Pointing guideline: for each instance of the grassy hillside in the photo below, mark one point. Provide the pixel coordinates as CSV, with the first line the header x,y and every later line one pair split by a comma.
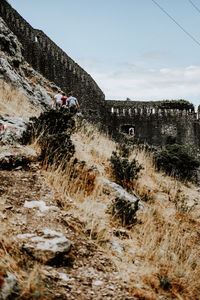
x,y
157,257
159,254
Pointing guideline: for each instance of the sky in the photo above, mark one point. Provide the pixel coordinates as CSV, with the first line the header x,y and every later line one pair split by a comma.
x,y
131,48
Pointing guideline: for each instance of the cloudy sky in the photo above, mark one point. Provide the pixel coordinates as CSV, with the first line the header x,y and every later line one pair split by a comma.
x,y
140,49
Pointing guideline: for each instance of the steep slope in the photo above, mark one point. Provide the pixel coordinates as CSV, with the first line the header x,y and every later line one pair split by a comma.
x,y
16,71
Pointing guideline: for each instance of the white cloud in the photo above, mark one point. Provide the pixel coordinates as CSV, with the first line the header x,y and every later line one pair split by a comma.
x,y
119,81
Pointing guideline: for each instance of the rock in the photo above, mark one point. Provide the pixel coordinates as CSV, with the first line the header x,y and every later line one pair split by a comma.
x,y
11,129
125,205
122,193
46,246
14,69
17,156
41,205
9,286
116,247
97,282
9,162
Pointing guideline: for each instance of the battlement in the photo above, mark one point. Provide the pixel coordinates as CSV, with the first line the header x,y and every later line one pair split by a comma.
x,y
158,108
155,122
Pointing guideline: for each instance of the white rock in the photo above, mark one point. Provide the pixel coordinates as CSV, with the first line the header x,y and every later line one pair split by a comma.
x,y
8,286
122,193
47,245
97,282
115,246
39,204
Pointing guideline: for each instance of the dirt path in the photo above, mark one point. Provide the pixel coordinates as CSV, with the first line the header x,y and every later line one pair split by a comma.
x,y
86,273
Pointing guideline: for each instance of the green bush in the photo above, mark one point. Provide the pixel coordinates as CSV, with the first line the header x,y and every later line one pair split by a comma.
x,y
125,210
176,104
124,170
176,161
48,123
52,131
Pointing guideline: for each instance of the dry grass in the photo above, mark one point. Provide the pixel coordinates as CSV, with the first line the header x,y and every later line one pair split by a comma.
x,y
14,103
30,284
159,254
93,147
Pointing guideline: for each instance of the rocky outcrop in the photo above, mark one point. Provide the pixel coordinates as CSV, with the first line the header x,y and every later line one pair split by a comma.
x,y
14,69
11,129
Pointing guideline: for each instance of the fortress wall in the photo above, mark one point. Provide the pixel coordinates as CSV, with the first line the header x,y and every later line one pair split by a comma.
x,y
51,61
152,123
133,108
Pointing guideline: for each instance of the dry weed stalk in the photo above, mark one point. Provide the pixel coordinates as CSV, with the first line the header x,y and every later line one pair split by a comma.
x,y
93,147
14,103
85,187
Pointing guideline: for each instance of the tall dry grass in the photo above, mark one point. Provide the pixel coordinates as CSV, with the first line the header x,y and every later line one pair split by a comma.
x,y
158,256
30,281
13,260
14,103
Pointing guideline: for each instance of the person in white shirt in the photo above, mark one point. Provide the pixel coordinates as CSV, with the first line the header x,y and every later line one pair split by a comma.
x,y
57,100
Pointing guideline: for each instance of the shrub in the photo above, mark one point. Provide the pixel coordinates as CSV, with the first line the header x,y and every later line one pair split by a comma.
x,y
124,150
176,104
124,170
49,122
52,130
175,160
125,210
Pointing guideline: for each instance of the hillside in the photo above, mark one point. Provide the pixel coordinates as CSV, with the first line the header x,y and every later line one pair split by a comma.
x,y
62,233
156,257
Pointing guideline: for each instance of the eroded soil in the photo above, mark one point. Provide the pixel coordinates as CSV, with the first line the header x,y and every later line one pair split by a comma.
x,y
86,272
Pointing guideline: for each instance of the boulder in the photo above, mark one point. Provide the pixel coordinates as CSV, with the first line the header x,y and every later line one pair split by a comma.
x,y
125,205
120,192
9,286
46,246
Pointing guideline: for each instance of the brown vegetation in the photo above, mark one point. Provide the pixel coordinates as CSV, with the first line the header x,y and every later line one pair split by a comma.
x,y
157,257
160,253
13,102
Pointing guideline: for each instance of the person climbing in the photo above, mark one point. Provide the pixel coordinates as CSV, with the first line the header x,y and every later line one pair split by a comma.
x,y
72,103
57,100
63,101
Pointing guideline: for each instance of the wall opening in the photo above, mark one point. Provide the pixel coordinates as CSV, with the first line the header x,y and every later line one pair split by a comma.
x,y
128,129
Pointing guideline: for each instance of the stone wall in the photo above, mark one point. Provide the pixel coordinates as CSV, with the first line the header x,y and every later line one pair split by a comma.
x,y
52,62
152,123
